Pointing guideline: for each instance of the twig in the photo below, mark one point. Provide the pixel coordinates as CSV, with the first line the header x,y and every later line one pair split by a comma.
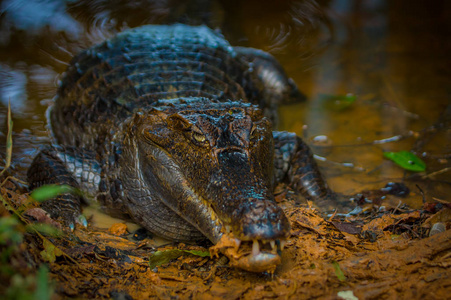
x,y
440,200
13,178
397,207
436,173
421,192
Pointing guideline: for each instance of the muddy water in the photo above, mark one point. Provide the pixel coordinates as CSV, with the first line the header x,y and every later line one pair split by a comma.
x,y
393,56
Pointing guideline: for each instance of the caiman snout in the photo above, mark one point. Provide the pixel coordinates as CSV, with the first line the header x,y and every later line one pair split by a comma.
x,y
255,226
262,228
260,220
245,201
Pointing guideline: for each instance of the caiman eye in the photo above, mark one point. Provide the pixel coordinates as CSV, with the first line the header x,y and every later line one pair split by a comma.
x,y
199,137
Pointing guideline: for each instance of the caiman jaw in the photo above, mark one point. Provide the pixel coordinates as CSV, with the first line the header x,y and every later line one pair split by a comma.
x,y
254,255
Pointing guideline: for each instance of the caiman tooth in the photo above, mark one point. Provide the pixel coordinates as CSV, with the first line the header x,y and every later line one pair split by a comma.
x,y
237,244
273,245
282,244
255,248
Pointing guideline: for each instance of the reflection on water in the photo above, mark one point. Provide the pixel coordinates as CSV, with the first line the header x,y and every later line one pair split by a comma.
x,y
393,55
33,16
12,86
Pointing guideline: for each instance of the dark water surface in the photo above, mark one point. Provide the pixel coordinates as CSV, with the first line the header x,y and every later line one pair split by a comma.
x,y
392,55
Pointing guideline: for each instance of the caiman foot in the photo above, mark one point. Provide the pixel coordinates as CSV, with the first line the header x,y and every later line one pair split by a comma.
x,y
54,212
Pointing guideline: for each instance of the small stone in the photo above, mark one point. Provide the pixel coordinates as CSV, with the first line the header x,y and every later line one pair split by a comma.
x,y
437,228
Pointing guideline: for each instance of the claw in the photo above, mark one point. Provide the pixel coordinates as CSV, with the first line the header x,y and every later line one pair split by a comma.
x,y
81,219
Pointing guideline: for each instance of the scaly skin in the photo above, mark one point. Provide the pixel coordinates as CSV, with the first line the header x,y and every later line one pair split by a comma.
x,y
166,125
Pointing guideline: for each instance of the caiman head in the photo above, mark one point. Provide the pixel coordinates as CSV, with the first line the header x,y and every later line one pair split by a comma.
x,y
212,165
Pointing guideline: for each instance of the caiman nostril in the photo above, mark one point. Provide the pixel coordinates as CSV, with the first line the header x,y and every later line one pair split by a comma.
x,y
261,220
224,153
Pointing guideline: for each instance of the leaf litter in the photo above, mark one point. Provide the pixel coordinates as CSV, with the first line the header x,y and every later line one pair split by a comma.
x,y
322,258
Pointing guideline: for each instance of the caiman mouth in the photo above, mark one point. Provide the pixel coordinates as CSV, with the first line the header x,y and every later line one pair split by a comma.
x,y
254,255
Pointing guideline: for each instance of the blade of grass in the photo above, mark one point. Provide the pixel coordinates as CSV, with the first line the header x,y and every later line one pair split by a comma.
x,y
9,140
339,272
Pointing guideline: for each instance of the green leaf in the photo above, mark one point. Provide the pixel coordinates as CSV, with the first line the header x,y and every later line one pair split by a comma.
x,y
165,256
43,228
337,102
162,257
7,222
339,272
43,288
198,252
406,160
50,191
50,252
9,232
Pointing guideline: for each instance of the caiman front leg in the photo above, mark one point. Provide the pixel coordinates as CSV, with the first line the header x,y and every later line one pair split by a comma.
x,y
294,163
63,166
276,87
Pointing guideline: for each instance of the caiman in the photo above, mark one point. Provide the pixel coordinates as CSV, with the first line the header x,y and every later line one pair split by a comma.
x,y
172,127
